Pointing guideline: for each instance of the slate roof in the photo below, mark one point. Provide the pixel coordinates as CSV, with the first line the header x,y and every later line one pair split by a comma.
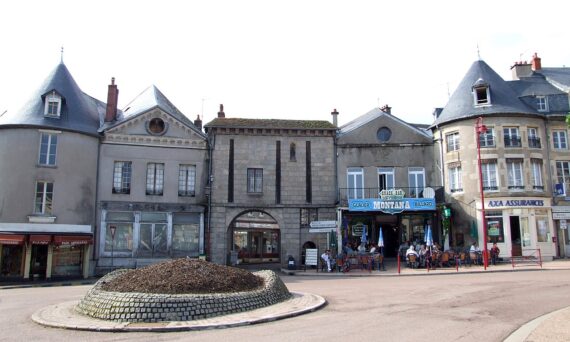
x,y
534,85
560,77
149,99
373,114
504,100
270,123
79,112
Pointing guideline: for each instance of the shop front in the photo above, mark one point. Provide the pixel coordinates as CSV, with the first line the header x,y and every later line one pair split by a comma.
x,y
255,238
561,217
519,226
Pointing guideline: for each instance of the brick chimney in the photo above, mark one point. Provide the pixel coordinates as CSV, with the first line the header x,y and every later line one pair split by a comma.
x,y
536,65
221,113
386,109
521,69
334,114
198,123
112,101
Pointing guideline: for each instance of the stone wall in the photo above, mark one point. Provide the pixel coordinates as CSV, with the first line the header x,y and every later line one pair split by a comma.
x,y
149,307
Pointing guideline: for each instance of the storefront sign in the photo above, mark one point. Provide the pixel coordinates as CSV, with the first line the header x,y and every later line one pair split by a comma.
x,y
391,206
561,216
358,228
516,203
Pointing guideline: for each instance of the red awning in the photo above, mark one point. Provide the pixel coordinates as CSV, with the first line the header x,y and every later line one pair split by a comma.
x,y
11,239
73,240
40,239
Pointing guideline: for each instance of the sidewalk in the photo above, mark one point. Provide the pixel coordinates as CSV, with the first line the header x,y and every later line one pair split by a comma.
x,y
45,283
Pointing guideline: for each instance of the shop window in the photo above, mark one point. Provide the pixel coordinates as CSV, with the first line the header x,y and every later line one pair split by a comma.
x,y
123,223
67,260
542,233
495,231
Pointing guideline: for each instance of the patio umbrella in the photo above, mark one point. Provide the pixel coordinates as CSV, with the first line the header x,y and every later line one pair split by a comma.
x,y
429,237
380,238
474,232
364,237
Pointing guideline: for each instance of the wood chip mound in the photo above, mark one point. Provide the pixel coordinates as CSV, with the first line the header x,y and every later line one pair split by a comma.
x,y
185,276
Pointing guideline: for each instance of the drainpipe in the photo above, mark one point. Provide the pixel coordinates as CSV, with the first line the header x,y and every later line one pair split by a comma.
x,y
94,254
211,144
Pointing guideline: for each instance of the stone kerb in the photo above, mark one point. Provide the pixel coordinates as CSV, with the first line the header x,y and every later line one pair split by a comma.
x,y
151,308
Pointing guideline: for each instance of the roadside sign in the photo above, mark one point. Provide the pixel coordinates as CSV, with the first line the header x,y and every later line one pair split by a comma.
x,y
563,224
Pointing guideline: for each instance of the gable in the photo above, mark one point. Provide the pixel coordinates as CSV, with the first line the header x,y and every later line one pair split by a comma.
x,y
155,128
375,132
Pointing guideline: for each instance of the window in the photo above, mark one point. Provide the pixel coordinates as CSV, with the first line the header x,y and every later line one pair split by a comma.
x,y
255,180
452,141
187,180
185,234
44,198
416,181
563,176
48,146
122,177
383,134
533,139
154,178
487,139
455,182
123,224
489,173
308,215
542,231
52,105
559,139
514,171
355,182
495,232
292,152
512,138
481,93
536,175
385,178
542,103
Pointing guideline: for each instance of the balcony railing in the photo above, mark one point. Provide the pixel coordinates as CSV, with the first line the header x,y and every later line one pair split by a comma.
x,y
534,142
512,141
410,192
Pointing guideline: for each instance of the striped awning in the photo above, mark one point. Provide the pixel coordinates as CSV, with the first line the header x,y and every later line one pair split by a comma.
x,y
12,239
40,239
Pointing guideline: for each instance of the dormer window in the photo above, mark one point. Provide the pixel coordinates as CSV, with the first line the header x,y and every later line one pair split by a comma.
x,y
542,103
53,105
481,93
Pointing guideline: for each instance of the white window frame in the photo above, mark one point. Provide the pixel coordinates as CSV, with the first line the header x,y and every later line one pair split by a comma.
x,y
389,178
452,141
490,177
559,139
47,157
542,103
536,174
515,175
46,201
355,186
487,139
187,180
122,177
565,176
513,134
155,179
481,102
255,180
533,136
455,179
416,175
56,100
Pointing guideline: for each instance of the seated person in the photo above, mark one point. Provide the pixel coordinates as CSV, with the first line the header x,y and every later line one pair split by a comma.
x,y
412,251
475,249
348,250
362,248
494,251
326,256
422,253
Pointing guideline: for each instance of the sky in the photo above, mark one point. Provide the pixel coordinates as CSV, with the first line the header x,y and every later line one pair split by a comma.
x,y
275,59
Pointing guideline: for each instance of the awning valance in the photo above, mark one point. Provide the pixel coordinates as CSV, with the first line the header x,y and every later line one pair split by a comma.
x,y
40,239
73,240
12,239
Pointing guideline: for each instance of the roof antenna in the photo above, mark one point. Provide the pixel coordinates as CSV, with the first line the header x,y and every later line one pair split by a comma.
x,y
478,52
62,54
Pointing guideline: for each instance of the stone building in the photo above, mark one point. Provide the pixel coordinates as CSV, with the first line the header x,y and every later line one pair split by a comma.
x,y
270,179
524,157
378,153
153,170
48,168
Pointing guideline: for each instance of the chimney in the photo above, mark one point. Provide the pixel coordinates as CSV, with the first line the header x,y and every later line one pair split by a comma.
x,y
536,65
334,114
198,123
386,109
521,69
221,113
112,99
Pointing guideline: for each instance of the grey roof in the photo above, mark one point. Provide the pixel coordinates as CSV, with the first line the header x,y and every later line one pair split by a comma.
x,y
504,100
270,123
152,98
79,112
534,85
560,77
371,115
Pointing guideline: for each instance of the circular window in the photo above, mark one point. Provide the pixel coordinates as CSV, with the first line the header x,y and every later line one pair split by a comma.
x,y
384,134
156,126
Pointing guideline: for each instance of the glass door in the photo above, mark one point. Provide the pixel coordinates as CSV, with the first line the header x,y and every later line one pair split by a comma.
x,y
153,240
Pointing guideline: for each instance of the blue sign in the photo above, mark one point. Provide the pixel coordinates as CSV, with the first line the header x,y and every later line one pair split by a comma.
x,y
391,206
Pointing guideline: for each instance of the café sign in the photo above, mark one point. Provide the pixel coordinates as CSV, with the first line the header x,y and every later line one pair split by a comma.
x,y
391,202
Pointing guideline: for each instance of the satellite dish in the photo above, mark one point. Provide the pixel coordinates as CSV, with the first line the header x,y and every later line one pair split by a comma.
x,y
428,193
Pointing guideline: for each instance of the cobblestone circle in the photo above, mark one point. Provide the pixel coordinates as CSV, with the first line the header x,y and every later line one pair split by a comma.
x,y
151,308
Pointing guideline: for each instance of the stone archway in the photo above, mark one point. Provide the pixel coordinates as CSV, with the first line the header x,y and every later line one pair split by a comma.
x,y
254,238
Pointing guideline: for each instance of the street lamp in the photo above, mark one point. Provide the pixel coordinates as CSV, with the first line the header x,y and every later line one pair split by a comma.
x,y
481,129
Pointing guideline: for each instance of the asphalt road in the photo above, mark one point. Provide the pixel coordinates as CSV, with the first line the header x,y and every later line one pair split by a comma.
x,y
454,307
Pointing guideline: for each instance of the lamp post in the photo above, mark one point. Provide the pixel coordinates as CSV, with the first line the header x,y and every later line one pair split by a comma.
x,y
112,229
480,129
